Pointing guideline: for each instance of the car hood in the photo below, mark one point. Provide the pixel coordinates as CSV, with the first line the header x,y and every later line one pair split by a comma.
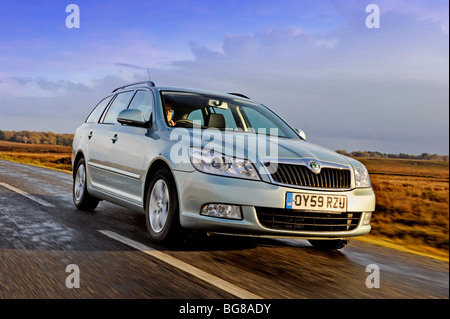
x,y
293,148
259,148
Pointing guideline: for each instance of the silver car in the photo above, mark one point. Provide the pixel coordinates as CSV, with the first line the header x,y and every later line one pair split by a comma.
x,y
219,163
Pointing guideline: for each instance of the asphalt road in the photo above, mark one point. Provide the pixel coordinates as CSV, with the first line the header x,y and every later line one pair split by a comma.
x,y
42,233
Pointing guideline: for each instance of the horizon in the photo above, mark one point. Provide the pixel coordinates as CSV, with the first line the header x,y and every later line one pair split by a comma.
x,y
316,64
336,150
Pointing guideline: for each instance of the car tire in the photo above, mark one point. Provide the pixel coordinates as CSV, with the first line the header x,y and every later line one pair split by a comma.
x,y
162,215
333,244
81,197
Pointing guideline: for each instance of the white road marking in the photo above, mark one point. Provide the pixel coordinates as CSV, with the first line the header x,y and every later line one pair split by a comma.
x,y
196,272
25,194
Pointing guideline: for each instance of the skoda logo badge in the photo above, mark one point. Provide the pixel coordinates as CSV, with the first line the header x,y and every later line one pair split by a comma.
x,y
314,167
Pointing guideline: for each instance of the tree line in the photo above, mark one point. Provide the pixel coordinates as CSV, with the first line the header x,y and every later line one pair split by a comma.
x,y
45,138
50,138
371,154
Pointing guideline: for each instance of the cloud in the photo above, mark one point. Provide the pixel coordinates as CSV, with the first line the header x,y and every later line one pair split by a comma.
x,y
41,98
351,84
128,65
432,11
344,85
40,86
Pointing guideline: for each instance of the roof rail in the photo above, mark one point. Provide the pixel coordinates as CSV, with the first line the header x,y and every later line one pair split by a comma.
x,y
240,95
149,83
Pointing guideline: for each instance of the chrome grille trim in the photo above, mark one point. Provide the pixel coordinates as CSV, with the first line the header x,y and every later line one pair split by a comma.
x,y
295,173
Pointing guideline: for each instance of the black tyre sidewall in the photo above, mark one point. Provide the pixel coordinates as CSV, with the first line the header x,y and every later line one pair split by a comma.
x,y
87,202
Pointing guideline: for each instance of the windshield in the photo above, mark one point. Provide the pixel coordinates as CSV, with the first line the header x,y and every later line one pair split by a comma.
x,y
184,109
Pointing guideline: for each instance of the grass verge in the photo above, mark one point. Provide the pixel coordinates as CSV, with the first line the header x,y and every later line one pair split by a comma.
x,y
412,211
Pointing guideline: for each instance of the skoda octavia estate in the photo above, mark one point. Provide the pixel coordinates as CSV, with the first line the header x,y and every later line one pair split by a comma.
x,y
221,163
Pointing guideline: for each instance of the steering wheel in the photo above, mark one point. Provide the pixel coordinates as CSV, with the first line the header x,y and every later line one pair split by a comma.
x,y
184,121
187,123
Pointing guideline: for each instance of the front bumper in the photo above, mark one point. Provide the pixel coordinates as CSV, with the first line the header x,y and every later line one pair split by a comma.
x,y
196,189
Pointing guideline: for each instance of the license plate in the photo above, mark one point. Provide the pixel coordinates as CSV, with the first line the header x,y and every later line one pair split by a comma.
x,y
315,202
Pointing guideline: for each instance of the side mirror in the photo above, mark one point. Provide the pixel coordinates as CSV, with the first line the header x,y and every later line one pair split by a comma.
x,y
301,133
132,117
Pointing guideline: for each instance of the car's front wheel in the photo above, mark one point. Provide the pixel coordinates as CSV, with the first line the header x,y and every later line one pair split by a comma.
x,y
326,244
162,208
81,197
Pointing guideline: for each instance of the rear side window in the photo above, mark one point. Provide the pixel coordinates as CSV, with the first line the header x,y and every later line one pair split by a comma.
x,y
143,101
98,110
120,103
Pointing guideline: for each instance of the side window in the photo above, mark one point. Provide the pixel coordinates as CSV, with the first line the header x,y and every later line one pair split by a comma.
x,y
143,100
98,110
120,103
196,115
229,119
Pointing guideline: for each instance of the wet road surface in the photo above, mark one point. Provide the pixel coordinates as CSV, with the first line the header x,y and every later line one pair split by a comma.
x,y
41,233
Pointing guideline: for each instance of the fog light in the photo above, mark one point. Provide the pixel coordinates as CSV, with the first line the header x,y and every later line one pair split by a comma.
x,y
367,217
222,211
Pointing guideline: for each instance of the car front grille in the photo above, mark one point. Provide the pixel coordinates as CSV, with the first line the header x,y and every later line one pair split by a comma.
x,y
288,219
300,175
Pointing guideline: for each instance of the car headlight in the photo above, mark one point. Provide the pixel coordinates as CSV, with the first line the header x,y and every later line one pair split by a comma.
x,y
212,162
362,177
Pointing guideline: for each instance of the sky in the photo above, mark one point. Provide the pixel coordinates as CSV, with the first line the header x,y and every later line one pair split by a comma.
x,y
315,63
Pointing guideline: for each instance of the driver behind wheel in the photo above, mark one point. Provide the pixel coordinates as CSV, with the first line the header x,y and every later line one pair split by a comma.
x,y
169,111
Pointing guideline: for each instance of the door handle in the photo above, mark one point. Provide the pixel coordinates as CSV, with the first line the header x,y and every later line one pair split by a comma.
x,y
90,135
115,138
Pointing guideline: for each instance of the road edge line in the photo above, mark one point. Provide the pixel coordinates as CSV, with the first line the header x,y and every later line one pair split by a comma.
x,y
27,195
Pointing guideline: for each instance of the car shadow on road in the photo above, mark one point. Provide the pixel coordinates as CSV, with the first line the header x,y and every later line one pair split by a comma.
x,y
133,225
219,242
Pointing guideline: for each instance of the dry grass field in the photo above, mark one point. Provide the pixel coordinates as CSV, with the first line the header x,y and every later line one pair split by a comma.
x,y
412,195
52,156
412,203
